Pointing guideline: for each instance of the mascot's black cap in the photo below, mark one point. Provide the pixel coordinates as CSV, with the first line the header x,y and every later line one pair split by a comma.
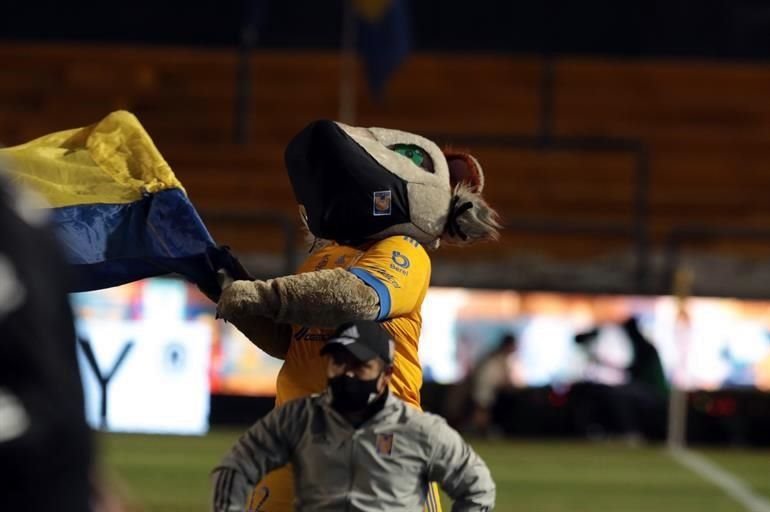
x,y
365,340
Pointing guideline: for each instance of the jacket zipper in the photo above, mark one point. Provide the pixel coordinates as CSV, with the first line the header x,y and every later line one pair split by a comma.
x,y
353,441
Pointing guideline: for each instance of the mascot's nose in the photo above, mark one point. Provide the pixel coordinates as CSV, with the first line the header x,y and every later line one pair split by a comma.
x,y
321,147
324,130
319,138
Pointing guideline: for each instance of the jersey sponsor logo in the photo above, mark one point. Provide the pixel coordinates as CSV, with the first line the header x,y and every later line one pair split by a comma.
x,y
316,337
400,260
382,203
400,263
304,334
399,269
385,276
384,444
340,262
301,332
321,264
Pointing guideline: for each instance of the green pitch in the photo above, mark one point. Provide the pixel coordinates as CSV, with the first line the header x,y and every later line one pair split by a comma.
x,y
169,474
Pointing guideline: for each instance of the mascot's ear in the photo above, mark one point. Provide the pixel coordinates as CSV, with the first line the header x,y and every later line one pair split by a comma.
x,y
464,168
470,219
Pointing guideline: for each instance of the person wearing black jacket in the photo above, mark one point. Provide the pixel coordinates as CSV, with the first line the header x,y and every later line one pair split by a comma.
x,y
45,443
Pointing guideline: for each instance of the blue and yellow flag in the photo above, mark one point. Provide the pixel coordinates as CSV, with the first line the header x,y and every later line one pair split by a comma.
x,y
383,38
118,210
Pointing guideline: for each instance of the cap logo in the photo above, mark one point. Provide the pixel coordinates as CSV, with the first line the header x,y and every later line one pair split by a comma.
x,y
350,332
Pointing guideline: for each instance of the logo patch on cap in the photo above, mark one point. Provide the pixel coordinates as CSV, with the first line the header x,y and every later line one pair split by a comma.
x,y
384,444
382,203
350,332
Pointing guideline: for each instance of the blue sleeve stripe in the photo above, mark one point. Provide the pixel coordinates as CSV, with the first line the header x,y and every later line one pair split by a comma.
x,y
382,291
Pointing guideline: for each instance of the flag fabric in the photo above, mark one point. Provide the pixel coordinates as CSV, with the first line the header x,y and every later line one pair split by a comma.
x,y
118,210
383,38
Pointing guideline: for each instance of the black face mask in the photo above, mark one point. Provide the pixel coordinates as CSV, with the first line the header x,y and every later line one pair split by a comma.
x,y
348,196
350,394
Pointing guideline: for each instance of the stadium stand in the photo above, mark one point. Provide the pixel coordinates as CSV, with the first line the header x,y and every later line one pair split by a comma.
x,y
186,99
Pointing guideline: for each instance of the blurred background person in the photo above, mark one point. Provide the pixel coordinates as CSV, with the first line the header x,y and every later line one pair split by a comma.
x,y
493,374
596,408
623,390
647,388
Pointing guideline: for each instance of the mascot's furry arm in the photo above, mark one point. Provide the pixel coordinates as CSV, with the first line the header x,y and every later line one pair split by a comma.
x,y
263,310
324,298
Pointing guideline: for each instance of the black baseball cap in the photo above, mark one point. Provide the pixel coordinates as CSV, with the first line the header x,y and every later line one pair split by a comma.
x,y
364,339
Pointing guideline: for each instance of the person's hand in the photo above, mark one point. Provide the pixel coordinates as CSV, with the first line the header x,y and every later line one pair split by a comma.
x,y
224,279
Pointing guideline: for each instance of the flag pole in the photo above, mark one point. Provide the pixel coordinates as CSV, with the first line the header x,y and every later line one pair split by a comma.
x,y
347,90
243,83
677,405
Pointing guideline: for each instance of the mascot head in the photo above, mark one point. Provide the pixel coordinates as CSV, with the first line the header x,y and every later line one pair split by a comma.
x,y
357,184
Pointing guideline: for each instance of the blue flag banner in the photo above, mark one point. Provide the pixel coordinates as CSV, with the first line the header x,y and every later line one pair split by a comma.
x,y
117,208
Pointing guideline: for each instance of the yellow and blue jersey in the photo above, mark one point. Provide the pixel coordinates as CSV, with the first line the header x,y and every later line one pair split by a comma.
x,y
398,269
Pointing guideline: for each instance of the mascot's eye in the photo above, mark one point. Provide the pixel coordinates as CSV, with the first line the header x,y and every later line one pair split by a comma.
x,y
416,154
